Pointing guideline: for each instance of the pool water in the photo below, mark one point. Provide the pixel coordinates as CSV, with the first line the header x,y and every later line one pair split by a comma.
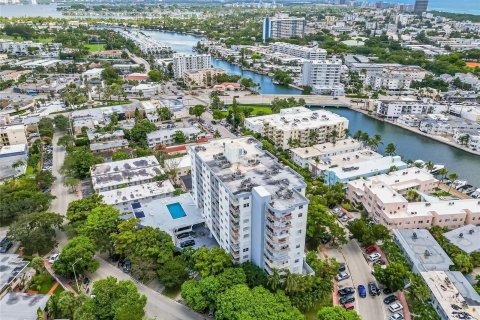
x,y
176,210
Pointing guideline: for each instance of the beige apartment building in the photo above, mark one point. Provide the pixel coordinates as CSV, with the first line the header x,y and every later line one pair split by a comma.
x,y
10,135
201,78
384,198
299,125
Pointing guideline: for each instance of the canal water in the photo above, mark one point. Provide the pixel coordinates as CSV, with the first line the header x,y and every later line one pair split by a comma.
x,y
412,146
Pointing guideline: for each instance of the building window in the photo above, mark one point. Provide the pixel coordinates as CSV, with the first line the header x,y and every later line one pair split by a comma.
x,y
297,246
300,215
296,260
300,207
246,205
245,250
299,231
245,257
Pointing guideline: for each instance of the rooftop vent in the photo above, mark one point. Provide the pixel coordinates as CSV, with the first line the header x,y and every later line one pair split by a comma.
x,y
427,253
414,235
471,231
460,235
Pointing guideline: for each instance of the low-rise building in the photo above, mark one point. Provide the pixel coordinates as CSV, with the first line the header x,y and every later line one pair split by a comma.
x,y
384,197
181,165
167,136
299,127
22,306
444,125
124,173
201,78
392,109
468,138
95,73
13,160
304,156
108,146
13,270
467,238
309,53
319,166
353,170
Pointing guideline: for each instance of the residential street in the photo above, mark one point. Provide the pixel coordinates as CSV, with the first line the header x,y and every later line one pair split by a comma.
x,y
369,308
158,305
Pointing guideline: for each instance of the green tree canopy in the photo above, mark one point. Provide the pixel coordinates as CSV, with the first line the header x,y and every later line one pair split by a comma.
x,y
211,261
61,122
138,134
79,251
78,162
337,313
36,231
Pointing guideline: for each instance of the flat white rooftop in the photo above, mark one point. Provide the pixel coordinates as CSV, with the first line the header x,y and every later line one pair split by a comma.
x,y
169,214
298,119
104,145
367,167
124,171
318,150
180,162
345,159
137,192
6,151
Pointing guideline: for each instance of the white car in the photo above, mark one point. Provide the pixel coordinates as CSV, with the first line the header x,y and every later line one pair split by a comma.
x,y
396,316
342,276
374,256
395,307
53,258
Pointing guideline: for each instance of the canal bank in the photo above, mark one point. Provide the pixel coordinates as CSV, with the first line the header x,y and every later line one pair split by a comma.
x,y
413,146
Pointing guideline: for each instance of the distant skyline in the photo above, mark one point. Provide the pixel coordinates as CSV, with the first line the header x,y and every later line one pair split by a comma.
x,y
457,6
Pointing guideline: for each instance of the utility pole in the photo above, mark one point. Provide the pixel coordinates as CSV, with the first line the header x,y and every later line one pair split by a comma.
x,y
74,274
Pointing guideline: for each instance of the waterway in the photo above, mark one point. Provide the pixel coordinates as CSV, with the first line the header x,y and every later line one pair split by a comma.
x,y
413,146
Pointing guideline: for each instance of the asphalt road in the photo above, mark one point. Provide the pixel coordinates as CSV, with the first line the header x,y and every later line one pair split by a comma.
x,y
207,116
369,308
158,306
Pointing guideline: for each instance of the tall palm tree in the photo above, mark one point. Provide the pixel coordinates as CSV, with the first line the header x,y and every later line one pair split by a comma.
x,y
452,176
429,165
346,132
291,284
390,149
442,173
358,134
274,280
333,136
411,194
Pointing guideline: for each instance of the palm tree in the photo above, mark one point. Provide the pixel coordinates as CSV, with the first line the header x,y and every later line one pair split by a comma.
x,y
274,280
411,194
346,132
312,137
364,137
443,173
18,164
333,136
317,161
390,149
452,176
291,285
429,165
358,135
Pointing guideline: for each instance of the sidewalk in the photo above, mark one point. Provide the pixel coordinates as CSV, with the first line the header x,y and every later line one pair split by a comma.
x,y
60,280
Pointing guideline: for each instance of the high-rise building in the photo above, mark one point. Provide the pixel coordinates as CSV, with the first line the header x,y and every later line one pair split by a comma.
x,y
254,206
420,6
283,26
184,62
323,76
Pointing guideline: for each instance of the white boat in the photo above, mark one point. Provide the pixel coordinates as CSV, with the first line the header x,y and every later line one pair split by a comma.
x,y
275,82
437,168
476,194
459,183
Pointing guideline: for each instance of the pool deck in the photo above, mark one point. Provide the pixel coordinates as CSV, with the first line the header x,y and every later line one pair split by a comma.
x,y
157,214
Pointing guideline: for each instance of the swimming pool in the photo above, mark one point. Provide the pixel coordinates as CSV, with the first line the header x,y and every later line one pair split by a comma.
x,y
176,210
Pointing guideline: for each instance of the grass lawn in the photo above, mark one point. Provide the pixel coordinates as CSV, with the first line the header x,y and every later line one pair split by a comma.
x,y
42,283
18,39
94,47
171,293
312,313
58,290
256,109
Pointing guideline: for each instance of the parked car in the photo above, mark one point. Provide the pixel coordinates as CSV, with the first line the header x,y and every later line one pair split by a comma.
x,y
374,256
86,281
362,292
342,276
345,218
349,306
127,266
390,299
346,291
347,299
53,258
387,291
187,243
371,249
5,245
395,307
396,316
183,235
373,289
342,267
380,262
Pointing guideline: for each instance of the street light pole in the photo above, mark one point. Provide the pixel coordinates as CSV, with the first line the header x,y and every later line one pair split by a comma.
x,y
74,274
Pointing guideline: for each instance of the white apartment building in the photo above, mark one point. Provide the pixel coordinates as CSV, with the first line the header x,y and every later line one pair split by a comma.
x,y
300,125
283,26
201,78
473,140
466,112
303,156
183,62
323,76
384,198
443,125
392,109
298,51
22,48
167,136
254,206
10,135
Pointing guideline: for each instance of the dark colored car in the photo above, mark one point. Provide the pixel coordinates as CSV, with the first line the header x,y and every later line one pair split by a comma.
x,y
390,299
127,265
5,245
387,291
346,291
183,235
347,299
86,281
187,243
362,292
342,268
373,289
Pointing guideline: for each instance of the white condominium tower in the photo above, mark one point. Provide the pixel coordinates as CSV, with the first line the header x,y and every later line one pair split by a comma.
x,y
254,206
184,62
283,26
321,72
